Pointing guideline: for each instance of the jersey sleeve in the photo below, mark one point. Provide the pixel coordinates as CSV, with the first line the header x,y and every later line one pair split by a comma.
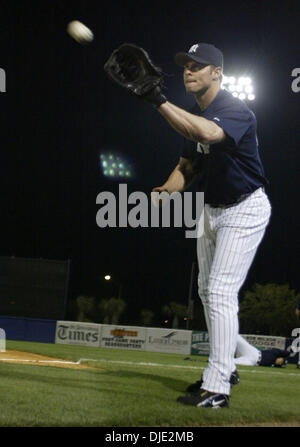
x,y
235,122
189,151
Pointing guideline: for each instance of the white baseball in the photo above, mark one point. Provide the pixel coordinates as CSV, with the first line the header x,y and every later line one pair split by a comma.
x,y
79,32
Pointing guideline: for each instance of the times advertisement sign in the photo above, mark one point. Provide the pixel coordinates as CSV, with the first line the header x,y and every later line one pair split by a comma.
x,y
77,333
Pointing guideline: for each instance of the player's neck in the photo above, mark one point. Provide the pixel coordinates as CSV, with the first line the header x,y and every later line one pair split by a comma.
x,y
204,99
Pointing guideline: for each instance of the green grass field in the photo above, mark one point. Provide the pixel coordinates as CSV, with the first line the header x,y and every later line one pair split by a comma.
x,y
136,389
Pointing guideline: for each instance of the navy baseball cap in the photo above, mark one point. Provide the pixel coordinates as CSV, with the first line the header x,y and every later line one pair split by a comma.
x,y
203,53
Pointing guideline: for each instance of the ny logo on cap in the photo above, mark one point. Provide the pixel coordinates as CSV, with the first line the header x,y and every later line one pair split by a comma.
x,y
193,48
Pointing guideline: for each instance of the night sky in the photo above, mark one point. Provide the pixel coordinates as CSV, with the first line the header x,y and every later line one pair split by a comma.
x,y
60,112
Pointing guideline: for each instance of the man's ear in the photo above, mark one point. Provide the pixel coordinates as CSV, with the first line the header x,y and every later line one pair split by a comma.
x,y
217,73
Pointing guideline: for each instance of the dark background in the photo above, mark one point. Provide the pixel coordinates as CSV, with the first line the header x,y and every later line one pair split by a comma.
x,y
60,112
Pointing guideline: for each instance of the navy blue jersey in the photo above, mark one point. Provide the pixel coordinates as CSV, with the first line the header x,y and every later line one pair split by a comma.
x,y
298,304
231,168
269,356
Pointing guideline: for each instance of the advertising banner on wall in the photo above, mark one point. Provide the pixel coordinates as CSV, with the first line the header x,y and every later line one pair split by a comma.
x,y
123,337
265,341
200,343
168,340
77,333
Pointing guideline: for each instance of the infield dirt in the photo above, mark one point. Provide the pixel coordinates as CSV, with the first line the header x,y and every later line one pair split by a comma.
x,y
36,359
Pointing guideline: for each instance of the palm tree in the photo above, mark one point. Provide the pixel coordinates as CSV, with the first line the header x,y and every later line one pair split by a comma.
x,y
176,311
112,309
85,305
269,309
146,317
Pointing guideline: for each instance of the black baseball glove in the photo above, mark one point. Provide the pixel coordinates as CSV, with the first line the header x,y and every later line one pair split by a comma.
x,y
131,67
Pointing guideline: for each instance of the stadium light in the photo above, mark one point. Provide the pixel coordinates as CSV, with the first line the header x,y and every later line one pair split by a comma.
x,y
114,166
239,86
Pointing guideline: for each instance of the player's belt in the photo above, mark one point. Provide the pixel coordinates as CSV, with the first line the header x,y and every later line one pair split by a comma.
x,y
242,197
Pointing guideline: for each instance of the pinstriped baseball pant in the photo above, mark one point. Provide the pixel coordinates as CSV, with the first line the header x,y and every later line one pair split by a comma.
x,y
225,253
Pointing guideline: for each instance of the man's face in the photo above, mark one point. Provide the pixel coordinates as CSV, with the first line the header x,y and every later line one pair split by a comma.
x,y
197,77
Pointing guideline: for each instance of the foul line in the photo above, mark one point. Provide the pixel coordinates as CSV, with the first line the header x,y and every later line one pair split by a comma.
x,y
184,367
126,362
39,361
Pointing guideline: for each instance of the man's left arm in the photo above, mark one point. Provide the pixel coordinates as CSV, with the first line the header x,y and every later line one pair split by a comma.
x,y
192,127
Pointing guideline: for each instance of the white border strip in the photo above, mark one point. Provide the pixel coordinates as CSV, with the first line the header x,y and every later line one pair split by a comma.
x,y
183,367
120,362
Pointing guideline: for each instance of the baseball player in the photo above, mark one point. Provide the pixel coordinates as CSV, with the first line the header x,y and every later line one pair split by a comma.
x,y
251,356
221,151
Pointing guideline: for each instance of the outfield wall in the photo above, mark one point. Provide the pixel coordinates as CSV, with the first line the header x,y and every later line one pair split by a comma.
x,y
163,340
200,342
28,329
124,337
